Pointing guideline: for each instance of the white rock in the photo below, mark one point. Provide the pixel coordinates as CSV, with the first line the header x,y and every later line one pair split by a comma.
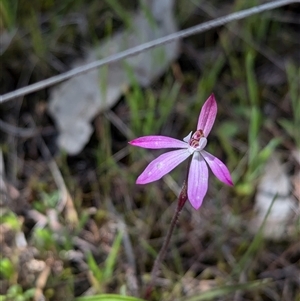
x,y
274,181
74,103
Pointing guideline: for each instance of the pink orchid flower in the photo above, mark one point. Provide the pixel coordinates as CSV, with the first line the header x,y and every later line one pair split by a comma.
x,y
192,145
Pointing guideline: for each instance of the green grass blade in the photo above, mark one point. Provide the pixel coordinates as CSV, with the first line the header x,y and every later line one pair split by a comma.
x,y
37,37
228,289
207,82
8,13
255,123
251,79
108,297
121,12
254,246
112,257
293,76
93,266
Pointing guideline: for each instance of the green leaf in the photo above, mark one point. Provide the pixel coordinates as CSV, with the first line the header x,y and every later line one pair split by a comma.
x,y
6,268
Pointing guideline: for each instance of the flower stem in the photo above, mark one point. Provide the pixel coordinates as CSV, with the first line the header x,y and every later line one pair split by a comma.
x,y
161,255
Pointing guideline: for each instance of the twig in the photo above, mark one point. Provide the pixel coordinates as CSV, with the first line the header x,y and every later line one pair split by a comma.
x,y
42,280
19,132
146,46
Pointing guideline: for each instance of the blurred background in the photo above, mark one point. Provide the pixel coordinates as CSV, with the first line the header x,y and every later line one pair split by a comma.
x,y
73,222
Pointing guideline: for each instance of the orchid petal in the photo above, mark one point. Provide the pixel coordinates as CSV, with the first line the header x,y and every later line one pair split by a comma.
x,y
158,142
162,165
197,180
188,137
202,143
218,168
207,115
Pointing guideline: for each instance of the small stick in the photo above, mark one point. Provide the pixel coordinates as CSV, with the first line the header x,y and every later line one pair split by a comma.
x,y
143,47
